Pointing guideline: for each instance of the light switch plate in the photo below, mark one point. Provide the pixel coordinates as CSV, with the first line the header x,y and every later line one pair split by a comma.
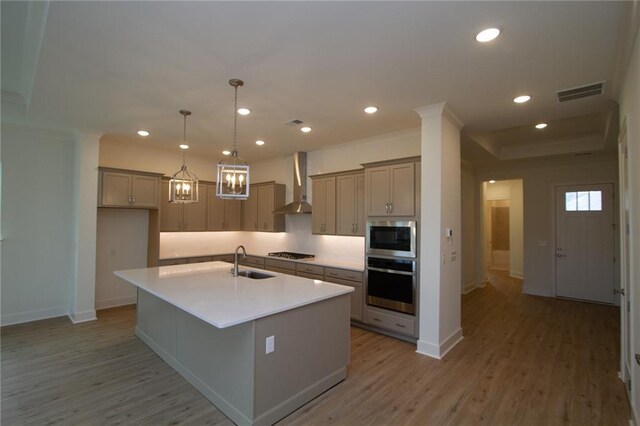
x,y
270,344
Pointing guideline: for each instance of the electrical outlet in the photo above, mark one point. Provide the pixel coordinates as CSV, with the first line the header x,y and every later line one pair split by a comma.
x,y
444,259
453,256
270,344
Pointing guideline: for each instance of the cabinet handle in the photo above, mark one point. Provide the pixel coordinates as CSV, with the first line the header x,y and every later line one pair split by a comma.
x,y
133,199
355,228
390,207
129,200
376,319
401,325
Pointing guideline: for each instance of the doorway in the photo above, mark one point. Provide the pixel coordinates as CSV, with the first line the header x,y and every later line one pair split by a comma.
x,y
502,230
584,242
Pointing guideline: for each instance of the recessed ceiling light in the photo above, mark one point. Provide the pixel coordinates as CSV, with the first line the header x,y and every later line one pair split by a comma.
x,y
305,129
143,133
370,109
244,111
226,152
184,146
487,35
522,99
541,125
259,142
492,181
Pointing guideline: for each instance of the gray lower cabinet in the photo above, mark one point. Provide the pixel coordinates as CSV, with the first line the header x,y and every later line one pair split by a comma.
x,y
281,266
252,261
392,321
352,279
168,262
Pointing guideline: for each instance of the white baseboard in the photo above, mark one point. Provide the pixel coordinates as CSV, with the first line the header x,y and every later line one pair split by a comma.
x,y
40,314
439,351
536,291
78,317
117,301
469,287
516,274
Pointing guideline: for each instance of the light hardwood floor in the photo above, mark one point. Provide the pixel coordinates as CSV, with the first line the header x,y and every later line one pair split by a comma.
x,y
524,360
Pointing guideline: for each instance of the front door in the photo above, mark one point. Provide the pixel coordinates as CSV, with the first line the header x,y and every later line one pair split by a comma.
x,y
584,242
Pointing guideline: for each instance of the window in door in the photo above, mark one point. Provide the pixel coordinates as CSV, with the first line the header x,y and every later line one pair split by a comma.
x,y
583,201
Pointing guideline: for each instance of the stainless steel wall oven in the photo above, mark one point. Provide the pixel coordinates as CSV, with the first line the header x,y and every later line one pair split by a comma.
x,y
391,284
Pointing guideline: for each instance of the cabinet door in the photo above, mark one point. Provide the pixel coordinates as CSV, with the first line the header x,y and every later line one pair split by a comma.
x,y
377,190
319,206
346,205
215,212
170,213
266,195
144,191
402,189
195,214
233,215
116,189
330,203
361,218
250,211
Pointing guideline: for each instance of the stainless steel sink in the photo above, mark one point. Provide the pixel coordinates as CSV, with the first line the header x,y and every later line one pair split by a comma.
x,y
254,275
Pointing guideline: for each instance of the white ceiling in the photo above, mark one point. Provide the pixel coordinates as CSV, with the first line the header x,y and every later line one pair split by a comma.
x,y
115,67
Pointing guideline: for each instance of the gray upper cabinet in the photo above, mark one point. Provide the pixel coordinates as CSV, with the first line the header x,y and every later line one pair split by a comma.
x,y
223,215
391,190
350,216
128,189
258,209
323,216
178,217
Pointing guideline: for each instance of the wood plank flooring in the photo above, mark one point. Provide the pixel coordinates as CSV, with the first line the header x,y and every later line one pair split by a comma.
x,y
524,360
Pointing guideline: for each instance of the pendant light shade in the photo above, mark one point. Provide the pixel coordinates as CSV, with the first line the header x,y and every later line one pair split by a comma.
x,y
232,177
183,186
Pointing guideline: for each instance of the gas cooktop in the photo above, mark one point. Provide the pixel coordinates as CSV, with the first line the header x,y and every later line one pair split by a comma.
x,y
291,255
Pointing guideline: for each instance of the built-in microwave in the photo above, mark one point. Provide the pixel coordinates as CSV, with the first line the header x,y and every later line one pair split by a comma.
x,y
391,238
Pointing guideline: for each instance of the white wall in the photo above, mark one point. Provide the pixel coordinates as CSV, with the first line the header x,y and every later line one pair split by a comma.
x,y
440,267
468,230
38,224
121,244
539,181
516,231
630,110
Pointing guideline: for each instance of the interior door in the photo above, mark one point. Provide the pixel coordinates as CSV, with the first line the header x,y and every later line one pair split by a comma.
x,y
584,242
626,350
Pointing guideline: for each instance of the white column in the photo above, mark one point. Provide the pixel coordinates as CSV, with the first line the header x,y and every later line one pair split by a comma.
x,y
440,265
82,297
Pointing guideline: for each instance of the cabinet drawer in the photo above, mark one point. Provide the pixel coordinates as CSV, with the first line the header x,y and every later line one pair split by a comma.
x,y
280,264
200,259
343,274
310,269
223,258
167,262
254,261
310,276
280,270
391,322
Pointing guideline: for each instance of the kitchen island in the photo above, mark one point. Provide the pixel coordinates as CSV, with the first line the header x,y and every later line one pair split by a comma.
x,y
258,349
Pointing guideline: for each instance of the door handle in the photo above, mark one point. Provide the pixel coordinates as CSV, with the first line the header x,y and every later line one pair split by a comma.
x,y
618,291
560,255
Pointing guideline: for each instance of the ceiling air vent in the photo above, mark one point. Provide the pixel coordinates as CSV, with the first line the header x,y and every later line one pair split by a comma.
x,y
293,123
580,92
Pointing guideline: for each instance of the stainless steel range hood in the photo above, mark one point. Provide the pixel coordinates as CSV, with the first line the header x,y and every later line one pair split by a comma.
x,y
299,205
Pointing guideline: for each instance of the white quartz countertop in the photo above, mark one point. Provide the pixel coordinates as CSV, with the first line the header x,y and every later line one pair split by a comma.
x,y
209,292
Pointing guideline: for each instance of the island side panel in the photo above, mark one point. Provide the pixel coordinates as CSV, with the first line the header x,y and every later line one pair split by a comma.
x,y
311,355
156,320
217,362
220,363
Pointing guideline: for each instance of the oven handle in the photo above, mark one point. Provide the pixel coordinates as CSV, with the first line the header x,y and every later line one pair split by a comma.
x,y
391,271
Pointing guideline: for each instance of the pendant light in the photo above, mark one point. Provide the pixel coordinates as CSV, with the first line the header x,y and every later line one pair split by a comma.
x,y
232,177
183,186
